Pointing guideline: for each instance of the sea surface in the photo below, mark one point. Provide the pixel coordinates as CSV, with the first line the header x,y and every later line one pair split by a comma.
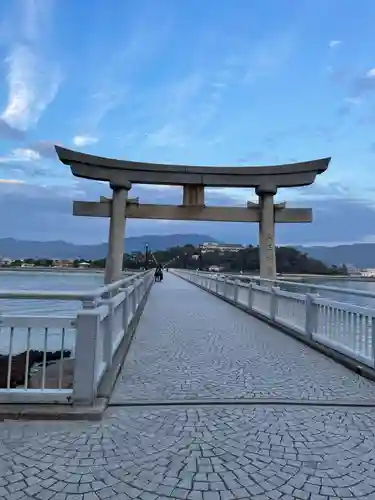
x,y
344,286
56,338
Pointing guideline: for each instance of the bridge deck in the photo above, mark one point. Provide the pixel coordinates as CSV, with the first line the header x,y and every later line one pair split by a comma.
x,y
190,345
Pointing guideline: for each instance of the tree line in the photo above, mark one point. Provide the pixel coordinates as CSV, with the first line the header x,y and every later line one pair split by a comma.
x,y
288,260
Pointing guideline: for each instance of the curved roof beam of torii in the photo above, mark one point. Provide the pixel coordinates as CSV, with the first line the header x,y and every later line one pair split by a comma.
x,y
118,172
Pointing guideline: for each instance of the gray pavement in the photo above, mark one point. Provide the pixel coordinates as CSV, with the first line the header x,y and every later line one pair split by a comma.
x,y
206,452
192,345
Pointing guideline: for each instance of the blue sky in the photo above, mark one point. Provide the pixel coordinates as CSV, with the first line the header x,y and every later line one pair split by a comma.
x,y
184,81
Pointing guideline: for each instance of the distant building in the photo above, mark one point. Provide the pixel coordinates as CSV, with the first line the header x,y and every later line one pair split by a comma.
x,y
62,263
5,261
352,270
214,269
370,272
220,247
84,265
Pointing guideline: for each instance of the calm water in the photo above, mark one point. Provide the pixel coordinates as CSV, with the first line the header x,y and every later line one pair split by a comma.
x,y
342,296
48,281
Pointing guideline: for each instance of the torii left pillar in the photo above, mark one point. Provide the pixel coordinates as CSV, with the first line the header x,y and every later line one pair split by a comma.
x,y
267,250
115,256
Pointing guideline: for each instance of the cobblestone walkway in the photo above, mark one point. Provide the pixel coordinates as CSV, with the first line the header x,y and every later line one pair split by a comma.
x,y
192,345
204,348
197,454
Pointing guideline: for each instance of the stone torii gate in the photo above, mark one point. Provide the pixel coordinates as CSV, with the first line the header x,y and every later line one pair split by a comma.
x,y
122,173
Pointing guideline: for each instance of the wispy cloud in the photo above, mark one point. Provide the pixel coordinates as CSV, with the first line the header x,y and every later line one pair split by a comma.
x,y
11,181
127,55
269,56
363,84
21,155
334,44
46,149
191,104
33,81
84,140
353,100
167,136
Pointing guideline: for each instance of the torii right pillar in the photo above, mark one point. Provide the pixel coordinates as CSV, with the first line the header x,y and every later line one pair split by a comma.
x,y
267,249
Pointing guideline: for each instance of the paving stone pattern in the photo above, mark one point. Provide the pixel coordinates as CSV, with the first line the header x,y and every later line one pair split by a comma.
x,y
207,453
190,344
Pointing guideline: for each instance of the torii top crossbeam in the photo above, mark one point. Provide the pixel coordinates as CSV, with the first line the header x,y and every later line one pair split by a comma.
x,y
119,172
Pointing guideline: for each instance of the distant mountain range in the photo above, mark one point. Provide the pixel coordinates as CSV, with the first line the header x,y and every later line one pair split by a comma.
x,y
21,249
360,255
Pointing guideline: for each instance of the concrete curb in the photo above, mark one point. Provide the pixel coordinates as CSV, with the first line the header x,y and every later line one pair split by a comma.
x,y
53,412
351,364
243,402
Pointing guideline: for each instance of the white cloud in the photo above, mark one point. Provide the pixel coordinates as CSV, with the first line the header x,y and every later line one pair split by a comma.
x,y
371,73
84,140
21,155
32,86
334,43
33,81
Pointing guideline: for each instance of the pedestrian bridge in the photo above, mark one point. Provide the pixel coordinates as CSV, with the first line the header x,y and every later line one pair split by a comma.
x,y
211,403
192,346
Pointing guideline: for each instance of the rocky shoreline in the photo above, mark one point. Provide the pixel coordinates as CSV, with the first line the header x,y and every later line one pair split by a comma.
x,y
20,372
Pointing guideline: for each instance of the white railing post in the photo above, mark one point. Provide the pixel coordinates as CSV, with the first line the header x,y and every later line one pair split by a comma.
x,y
250,298
311,315
86,354
373,339
235,293
139,292
222,286
225,287
125,310
109,324
273,302
134,299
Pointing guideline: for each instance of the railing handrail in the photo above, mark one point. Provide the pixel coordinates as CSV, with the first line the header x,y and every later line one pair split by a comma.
x,y
343,328
81,295
90,339
349,291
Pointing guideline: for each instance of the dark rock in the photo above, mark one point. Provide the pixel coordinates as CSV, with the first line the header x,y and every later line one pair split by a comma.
x,y
19,368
